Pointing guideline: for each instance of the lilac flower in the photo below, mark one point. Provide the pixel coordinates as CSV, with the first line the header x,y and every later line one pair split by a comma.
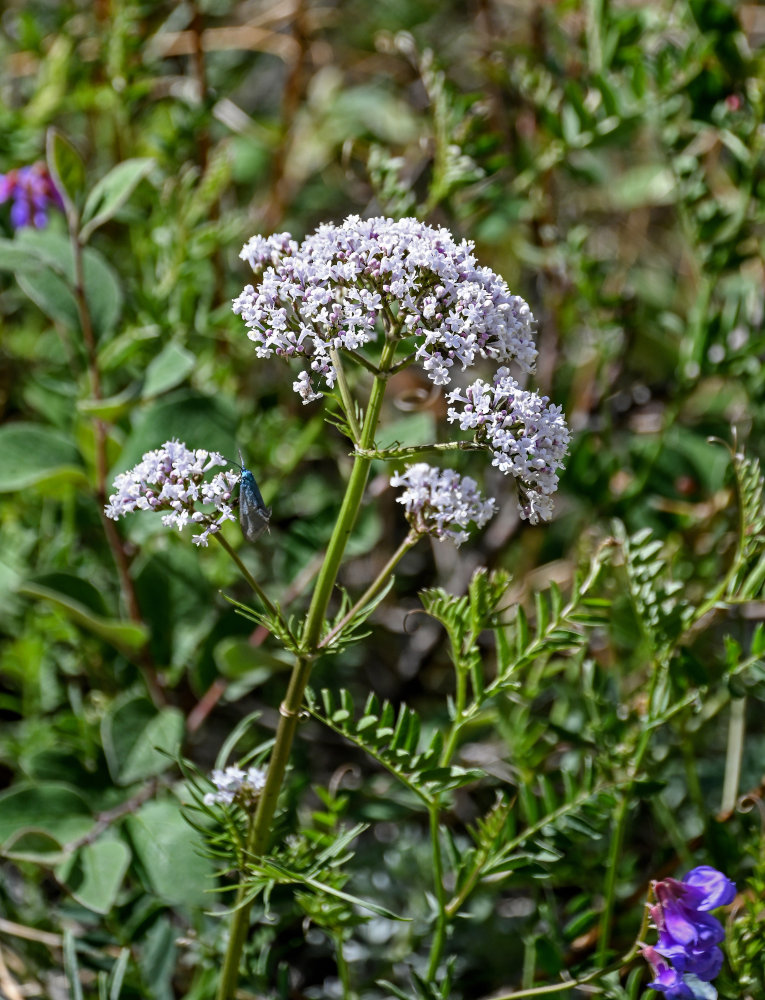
x,y
172,479
666,979
340,285
442,503
688,934
32,191
235,785
527,436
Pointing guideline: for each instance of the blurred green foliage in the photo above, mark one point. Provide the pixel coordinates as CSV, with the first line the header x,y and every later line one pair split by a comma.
x,y
608,159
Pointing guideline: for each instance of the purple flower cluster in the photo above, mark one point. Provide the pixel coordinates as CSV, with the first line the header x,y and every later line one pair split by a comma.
x,y
527,436
688,933
442,503
32,192
172,479
337,288
235,785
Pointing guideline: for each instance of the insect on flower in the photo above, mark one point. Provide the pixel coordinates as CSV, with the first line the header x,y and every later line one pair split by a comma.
x,y
253,513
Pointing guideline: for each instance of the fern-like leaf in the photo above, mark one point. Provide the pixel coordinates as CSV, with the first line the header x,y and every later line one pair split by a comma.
x,y
392,738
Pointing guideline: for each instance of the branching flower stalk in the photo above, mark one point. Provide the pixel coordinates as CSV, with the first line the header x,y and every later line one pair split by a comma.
x,y
354,289
289,710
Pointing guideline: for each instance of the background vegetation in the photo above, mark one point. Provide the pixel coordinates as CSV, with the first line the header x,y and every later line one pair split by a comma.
x,y
608,160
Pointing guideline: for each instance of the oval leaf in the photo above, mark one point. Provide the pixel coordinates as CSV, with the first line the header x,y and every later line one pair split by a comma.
x,y
31,454
139,741
94,874
112,191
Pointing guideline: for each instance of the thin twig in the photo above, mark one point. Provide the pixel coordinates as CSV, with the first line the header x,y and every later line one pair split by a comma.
x,y
110,816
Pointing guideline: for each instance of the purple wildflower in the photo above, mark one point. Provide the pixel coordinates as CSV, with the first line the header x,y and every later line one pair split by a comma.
x,y
666,979
172,479
688,933
32,191
336,288
441,502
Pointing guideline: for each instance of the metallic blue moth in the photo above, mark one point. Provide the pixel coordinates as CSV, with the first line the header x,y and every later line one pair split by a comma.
x,y
253,513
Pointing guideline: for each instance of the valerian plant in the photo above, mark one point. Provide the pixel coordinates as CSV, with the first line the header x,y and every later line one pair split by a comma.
x,y
353,304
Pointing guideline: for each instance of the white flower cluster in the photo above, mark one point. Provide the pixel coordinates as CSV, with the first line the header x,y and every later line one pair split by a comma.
x,y
441,502
235,785
335,289
528,437
172,479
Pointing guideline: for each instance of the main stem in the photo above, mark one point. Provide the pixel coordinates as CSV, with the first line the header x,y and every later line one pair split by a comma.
x,y
289,710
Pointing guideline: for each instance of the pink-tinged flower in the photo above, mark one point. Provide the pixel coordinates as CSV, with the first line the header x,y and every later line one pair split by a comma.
x,y
344,282
441,502
666,979
174,479
32,191
526,435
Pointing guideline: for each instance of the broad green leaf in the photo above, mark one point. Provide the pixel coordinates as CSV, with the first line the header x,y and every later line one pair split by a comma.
x,y
31,454
111,192
66,168
16,256
236,657
126,636
177,601
110,409
170,367
53,807
169,851
94,874
140,742
52,294
51,284
34,846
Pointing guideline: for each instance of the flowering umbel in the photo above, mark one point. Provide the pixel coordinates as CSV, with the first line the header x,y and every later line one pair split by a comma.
x,y
32,191
173,479
442,503
334,290
349,285
688,934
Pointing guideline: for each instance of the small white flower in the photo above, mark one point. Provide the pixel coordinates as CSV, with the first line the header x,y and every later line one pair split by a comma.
x,y
172,479
441,502
333,290
527,436
235,785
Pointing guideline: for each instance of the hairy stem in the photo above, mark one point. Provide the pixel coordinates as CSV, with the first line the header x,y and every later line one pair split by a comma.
x,y
289,710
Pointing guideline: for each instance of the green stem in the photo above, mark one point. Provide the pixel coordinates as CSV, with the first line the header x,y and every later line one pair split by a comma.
x,y
289,710
620,820
459,711
374,587
734,755
439,937
257,589
342,967
345,395
390,454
